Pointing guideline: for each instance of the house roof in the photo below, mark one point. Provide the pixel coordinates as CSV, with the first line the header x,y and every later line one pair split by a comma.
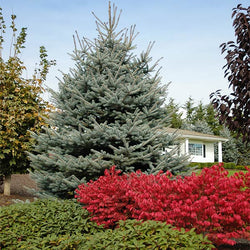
x,y
188,134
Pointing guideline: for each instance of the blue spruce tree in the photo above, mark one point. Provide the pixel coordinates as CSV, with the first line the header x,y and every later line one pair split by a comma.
x,y
109,112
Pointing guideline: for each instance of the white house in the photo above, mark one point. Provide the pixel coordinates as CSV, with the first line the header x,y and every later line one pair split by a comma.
x,y
199,146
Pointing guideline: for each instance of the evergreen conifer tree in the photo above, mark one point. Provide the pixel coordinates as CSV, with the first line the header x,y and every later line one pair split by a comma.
x,y
109,112
230,150
212,120
172,110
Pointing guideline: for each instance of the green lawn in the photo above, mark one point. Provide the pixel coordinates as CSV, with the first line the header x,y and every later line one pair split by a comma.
x,y
230,171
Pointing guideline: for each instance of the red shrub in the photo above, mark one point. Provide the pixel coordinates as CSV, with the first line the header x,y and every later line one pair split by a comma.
x,y
210,202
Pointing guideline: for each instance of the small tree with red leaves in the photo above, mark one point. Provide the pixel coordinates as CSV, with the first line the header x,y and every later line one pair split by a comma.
x,y
234,109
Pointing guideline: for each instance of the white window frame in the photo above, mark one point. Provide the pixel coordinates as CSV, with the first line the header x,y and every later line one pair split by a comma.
x,y
195,149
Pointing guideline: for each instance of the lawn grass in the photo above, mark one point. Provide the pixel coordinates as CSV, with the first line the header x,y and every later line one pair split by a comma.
x,y
233,171
230,171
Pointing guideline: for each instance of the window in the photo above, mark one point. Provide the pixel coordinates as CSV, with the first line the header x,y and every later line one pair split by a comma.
x,y
195,149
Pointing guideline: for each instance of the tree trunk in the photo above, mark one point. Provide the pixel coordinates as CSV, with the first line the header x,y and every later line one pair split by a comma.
x,y
6,187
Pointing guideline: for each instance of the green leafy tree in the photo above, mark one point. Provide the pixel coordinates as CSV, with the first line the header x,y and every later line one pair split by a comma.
x,y
21,107
109,113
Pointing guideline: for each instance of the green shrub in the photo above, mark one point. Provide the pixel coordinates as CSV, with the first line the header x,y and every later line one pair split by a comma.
x,y
201,165
133,234
44,224
193,164
226,165
53,241
56,224
241,167
229,165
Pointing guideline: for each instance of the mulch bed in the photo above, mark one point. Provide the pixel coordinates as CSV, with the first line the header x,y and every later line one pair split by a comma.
x,y
18,190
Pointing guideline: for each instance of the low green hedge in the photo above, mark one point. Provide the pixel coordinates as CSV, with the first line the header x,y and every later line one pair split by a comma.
x,y
44,224
133,234
226,165
56,224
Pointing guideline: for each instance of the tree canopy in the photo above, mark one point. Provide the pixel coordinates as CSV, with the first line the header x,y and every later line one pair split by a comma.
x,y
234,109
21,107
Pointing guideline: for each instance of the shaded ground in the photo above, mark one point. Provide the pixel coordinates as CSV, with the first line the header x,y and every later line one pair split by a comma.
x,y
18,190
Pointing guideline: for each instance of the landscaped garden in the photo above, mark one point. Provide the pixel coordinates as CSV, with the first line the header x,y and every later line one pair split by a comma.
x,y
136,211
107,173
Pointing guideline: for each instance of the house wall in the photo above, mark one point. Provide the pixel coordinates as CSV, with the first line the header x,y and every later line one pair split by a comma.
x,y
209,155
182,148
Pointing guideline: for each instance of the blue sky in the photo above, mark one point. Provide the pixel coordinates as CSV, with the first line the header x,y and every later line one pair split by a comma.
x,y
187,35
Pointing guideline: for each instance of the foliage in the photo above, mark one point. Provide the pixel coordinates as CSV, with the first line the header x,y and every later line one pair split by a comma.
x,y
230,150
132,234
189,109
201,118
212,119
44,223
21,107
226,165
234,109
200,112
172,110
210,202
200,126
234,150
57,224
54,241
109,111
244,152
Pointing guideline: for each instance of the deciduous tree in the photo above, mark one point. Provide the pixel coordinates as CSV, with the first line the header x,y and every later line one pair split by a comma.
x,y
234,109
21,107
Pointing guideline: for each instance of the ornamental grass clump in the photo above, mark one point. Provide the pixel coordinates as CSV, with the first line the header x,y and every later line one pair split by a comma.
x,y
212,203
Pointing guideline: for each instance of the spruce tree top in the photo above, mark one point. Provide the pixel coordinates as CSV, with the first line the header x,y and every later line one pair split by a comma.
x,y
109,79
